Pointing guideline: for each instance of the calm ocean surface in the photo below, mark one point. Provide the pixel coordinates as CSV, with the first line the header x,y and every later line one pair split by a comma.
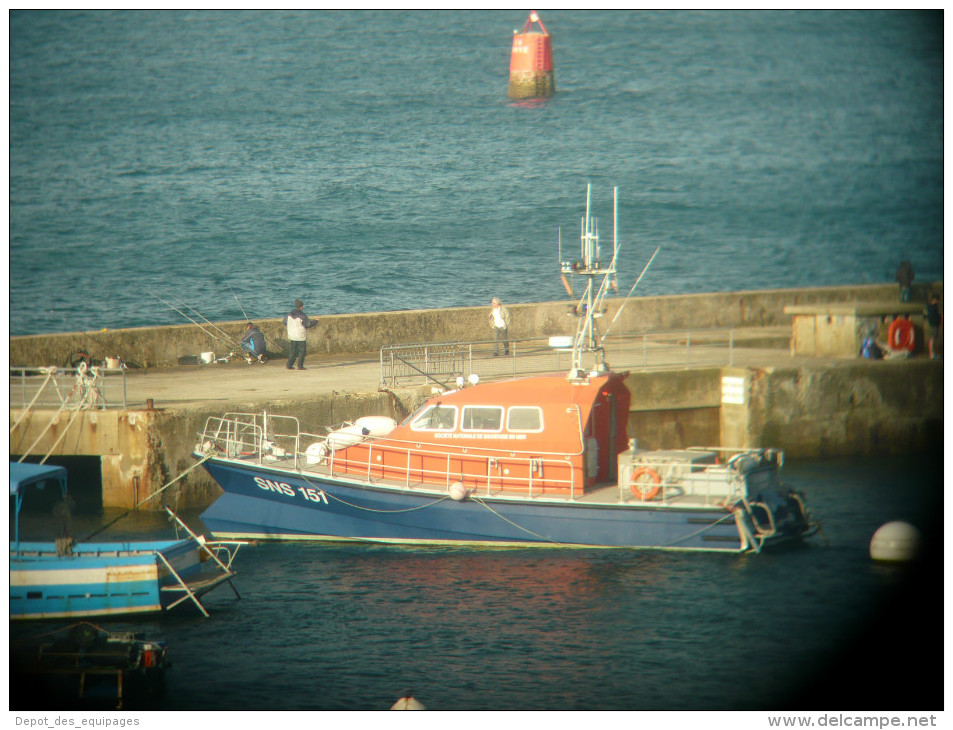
x,y
341,627
368,161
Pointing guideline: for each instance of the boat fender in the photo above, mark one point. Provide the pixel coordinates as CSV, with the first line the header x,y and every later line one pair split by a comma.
x,y
901,335
458,492
347,436
316,453
645,483
376,425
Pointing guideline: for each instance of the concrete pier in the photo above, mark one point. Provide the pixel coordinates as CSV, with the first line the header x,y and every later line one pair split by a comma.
x,y
808,406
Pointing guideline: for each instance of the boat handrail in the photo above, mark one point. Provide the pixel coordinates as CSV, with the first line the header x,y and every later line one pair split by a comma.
x,y
535,464
675,478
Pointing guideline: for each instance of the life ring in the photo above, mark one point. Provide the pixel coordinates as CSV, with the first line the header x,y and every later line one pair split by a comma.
x,y
901,335
644,483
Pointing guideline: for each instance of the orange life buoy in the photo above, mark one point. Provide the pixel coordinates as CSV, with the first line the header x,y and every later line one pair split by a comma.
x,y
901,336
645,483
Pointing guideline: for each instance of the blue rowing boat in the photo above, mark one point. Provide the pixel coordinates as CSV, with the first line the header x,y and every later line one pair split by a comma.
x,y
66,579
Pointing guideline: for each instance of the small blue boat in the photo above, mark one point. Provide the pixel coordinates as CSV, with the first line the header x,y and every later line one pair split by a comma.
x,y
63,579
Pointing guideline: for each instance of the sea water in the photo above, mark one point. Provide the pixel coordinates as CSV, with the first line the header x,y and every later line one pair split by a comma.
x,y
354,626
365,160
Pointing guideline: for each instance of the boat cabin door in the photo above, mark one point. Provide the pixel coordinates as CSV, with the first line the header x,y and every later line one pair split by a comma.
x,y
601,439
613,465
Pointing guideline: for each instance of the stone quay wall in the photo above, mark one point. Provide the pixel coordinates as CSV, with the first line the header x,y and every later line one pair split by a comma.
x,y
149,347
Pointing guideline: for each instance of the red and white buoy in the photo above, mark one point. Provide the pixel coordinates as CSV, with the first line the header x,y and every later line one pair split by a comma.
x,y
531,62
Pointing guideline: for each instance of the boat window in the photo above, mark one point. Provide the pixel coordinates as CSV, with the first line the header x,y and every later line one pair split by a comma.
x,y
436,418
482,418
524,418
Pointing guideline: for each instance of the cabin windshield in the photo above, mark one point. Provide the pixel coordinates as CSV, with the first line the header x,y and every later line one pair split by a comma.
x,y
435,418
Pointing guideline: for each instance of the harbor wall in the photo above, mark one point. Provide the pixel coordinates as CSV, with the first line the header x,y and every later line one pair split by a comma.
x,y
850,408
148,347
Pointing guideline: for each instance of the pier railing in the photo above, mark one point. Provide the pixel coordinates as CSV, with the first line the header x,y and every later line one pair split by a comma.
x,y
444,362
68,388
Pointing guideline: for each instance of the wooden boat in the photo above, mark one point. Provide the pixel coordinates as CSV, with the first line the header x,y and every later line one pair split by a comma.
x,y
84,665
64,579
535,461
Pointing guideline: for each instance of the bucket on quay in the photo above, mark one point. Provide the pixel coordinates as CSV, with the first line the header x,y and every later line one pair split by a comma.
x,y
531,62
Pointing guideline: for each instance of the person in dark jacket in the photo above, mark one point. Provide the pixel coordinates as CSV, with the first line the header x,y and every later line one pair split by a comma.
x,y
298,325
934,319
905,279
253,342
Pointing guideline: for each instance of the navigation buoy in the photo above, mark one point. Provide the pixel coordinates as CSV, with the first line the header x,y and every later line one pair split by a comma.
x,y
895,542
408,702
531,62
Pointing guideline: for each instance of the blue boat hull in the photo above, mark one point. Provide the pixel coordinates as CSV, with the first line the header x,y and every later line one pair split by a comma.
x,y
266,503
98,579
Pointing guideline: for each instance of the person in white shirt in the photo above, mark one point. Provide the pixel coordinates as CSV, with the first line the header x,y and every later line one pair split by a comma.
x,y
298,325
500,322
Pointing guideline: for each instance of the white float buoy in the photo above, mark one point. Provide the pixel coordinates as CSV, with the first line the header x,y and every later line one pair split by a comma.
x,y
895,542
458,492
408,703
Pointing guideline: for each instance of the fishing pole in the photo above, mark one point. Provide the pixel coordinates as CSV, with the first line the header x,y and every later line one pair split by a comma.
x,y
626,301
238,302
279,346
197,324
197,312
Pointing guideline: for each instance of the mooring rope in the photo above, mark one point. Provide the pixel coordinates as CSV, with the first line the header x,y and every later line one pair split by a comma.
x,y
55,417
143,501
369,509
520,527
50,372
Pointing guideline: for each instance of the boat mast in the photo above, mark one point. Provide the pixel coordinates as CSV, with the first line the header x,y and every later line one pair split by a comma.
x,y
590,306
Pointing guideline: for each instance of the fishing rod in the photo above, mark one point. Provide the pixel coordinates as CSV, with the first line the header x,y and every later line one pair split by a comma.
x,y
197,324
626,301
197,312
238,302
247,319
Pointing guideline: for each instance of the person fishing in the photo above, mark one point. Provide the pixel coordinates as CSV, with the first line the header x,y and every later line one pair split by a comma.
x,y
298,324
253,343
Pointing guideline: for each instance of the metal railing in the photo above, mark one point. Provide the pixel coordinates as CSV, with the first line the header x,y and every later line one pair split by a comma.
x,y
68,388
444,362
242,436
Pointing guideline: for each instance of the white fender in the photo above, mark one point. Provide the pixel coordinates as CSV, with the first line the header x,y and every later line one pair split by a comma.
x,y
315,453
344,437
376,425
